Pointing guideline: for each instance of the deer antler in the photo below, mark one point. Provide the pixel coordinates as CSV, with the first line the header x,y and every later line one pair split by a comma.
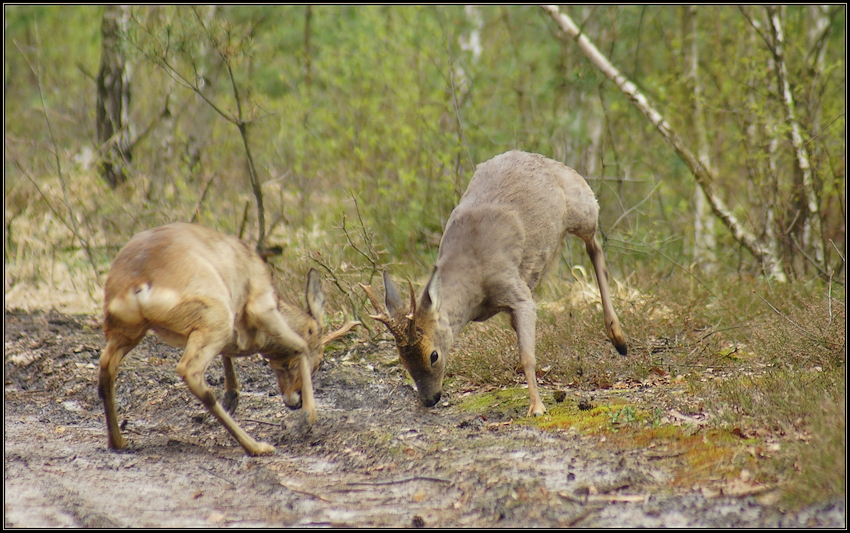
x,y
412,300
340,333
381,316
411,325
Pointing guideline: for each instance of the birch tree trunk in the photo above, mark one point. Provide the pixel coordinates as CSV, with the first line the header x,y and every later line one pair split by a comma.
x,y
470,43
764,192
771,264
113,98
810,219
704,242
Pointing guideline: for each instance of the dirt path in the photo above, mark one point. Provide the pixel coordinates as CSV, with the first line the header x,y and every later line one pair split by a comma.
x,y
374,457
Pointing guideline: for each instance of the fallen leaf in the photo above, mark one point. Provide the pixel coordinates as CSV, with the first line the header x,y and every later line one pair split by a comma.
x,y
659,371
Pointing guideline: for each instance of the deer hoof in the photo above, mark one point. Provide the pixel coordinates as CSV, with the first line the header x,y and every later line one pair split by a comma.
x,y
261,448
536,410
118,442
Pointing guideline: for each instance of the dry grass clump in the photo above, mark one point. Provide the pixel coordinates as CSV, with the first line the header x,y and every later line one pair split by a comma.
x,y
798,391
676,327
778,354
60,238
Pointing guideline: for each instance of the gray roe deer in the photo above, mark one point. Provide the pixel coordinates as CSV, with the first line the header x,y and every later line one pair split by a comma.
x,y
209,293
508,228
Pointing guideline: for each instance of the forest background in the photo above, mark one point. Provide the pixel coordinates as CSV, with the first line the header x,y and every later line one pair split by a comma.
x,y
340,137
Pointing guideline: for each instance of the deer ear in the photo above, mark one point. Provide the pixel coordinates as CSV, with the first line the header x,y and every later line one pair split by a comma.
x,y
395,305
315,296
429,302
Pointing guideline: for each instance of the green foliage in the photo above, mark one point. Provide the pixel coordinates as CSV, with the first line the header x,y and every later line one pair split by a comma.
x,y
63,45
394,105
625,415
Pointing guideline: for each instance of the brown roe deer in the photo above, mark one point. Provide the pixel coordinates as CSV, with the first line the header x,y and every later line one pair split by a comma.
x,y
508,228
211,294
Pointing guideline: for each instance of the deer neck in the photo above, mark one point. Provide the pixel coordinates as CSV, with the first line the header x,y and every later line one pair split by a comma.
x,y
461,300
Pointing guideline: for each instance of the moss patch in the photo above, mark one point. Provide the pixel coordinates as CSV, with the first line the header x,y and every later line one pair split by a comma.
x,y
510,402
695,455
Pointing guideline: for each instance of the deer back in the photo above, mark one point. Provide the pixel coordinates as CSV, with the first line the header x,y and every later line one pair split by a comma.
x,y
514,217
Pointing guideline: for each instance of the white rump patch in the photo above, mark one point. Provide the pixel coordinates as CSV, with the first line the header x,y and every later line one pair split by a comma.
x,y
144,302
126,308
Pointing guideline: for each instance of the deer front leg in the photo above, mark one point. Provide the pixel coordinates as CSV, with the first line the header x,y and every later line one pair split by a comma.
x,y
307,402
201,348
295,382
523,320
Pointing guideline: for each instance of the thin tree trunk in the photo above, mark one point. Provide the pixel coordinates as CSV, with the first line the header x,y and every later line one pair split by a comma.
x,y
811,238
113,98
256,186
704,242
768,190
772,230
770,263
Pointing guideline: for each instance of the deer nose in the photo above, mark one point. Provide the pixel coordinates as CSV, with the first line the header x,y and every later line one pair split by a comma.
x,y
292,401
432,401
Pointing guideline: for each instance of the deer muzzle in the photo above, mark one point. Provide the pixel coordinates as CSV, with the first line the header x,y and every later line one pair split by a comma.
x,y
292,400
431,400
290,390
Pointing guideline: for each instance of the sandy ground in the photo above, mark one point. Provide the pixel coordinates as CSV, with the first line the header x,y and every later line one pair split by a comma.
x,y
374,458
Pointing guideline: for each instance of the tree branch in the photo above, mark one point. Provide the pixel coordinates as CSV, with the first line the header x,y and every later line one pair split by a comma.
x,y
704,177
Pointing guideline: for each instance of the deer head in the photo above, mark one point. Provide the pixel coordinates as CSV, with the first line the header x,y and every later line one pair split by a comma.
x,y
308,323
423,339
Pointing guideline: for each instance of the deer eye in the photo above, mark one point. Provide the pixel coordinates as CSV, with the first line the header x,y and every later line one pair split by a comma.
x,y
434,357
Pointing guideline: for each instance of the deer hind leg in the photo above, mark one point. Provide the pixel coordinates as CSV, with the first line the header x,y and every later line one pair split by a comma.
x,y
523,320
117,346
202,347
612,323
231,386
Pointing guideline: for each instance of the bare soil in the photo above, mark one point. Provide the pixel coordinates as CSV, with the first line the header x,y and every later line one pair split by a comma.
x,y
374,458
